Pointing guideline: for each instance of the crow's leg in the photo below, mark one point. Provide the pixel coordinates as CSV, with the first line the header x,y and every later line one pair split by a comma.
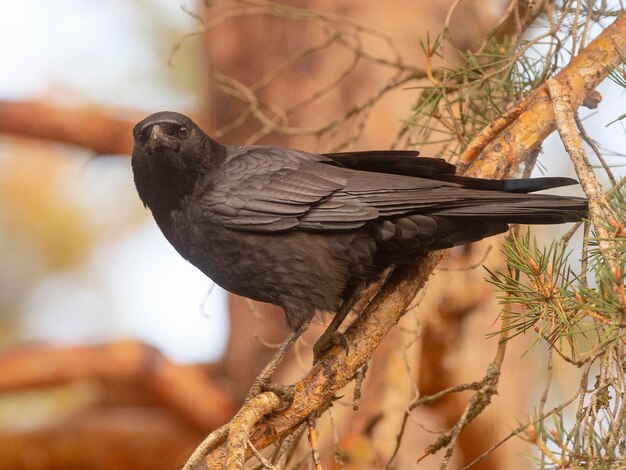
x,y
358,299
263,380
331,337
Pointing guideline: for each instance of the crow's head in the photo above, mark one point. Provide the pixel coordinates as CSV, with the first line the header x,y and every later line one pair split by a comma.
x,y
168,134
171,153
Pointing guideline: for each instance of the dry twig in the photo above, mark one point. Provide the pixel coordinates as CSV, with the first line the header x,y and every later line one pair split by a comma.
x,y
238,437
599,209
313,441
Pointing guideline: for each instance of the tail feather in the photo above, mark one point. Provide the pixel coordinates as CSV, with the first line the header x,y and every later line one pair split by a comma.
x,y
523,185
532,209
468,210
407,163
395,162
465,224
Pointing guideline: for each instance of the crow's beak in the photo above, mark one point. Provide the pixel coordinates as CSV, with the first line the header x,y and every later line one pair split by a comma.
x,y
158,138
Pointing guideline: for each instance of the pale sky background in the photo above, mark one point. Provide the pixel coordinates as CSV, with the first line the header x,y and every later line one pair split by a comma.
x,y
137,286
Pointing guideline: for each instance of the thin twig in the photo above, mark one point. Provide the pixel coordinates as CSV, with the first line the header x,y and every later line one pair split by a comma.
x,y
313,441
248,415
207,445
290,443
266,463
523,427
474,407
598,205
594,147
337,454
426,401
358,382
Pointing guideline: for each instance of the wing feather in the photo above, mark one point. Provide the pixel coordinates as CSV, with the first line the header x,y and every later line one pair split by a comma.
x,y
268,189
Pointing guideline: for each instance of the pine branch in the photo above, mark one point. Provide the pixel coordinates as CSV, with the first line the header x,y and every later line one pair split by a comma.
x,y
531,128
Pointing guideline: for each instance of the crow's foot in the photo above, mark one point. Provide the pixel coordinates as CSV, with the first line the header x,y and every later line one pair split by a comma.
x,y
327,342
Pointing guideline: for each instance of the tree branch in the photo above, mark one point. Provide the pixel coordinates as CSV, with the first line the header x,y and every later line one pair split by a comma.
x,y
536,122
185,389
599,207
316,391
107,133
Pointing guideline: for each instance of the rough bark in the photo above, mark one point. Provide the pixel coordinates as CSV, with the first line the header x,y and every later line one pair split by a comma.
x,y
526,134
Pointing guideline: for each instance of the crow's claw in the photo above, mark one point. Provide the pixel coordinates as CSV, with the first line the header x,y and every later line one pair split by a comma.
x,y
284,392
327,342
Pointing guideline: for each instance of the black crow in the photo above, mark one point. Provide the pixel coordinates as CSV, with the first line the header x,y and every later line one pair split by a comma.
x,y
307,231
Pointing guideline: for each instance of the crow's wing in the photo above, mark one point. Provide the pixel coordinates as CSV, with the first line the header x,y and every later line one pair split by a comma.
x,y
397,162
269,189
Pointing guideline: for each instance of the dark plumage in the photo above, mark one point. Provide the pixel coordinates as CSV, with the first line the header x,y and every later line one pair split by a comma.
x,y
304,231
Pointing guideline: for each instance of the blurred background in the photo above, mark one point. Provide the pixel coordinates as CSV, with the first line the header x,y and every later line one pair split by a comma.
x,y
83,261
112,342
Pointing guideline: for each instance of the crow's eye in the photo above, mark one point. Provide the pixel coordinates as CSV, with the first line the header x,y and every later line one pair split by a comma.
x,y
183,132
141,138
